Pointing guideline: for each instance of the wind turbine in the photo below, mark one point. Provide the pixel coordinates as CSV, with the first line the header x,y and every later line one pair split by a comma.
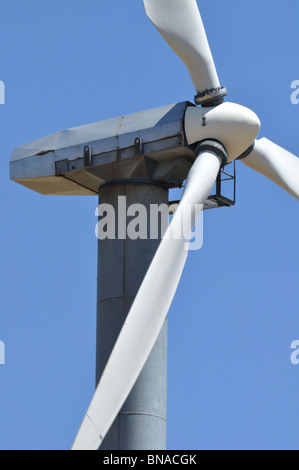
x,y
184,142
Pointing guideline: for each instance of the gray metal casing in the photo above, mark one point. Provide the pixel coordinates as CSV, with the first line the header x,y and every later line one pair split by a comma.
x,y
148,145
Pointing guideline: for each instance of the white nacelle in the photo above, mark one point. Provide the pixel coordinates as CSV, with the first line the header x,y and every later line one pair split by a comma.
x,y
235,126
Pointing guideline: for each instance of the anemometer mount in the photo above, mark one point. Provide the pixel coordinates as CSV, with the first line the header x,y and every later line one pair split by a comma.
x,y
210,98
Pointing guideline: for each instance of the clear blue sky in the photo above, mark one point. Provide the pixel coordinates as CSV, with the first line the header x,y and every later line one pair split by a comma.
x,y
231,384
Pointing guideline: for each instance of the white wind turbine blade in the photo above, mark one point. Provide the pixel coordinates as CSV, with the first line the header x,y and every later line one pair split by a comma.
x,y
275,163
180,24
149,310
